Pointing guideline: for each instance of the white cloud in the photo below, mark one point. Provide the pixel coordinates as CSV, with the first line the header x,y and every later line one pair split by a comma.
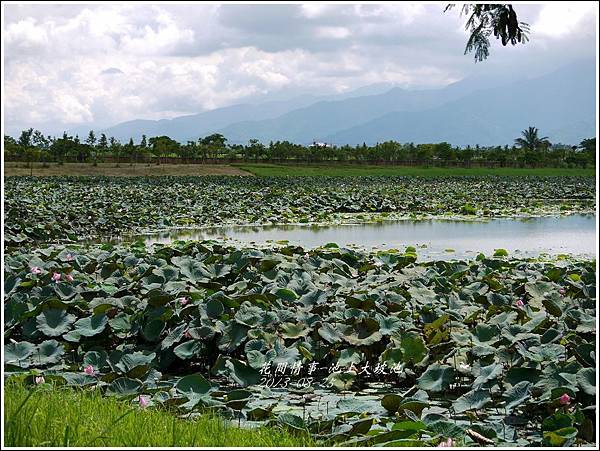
x,y
103,64
332,32
25,35
558,19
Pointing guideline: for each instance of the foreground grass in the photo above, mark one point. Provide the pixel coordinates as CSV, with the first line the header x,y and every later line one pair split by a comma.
x,y
64,417
270,170
125,169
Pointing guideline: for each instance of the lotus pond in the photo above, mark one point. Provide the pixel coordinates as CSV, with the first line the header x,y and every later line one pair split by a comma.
x,y
369,348
377,347
436,239
74,208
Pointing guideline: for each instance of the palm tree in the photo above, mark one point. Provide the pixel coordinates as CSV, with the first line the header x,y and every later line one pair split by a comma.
x,y
530,140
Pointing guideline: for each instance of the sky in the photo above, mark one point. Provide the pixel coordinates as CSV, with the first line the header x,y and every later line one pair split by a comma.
x,y
68,65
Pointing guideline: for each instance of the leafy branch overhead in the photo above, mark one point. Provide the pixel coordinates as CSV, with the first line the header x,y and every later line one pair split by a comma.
x,y
487,19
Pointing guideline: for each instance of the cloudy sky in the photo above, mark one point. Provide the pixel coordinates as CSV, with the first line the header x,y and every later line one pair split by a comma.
x,y
100,64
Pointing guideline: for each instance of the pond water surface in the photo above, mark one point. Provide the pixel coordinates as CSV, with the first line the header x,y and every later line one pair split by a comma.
x,y
574,234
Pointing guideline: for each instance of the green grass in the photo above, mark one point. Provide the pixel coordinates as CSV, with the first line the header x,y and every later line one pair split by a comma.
x,y
270,170
47,416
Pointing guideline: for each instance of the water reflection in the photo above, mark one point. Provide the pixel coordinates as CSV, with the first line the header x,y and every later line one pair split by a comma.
x,y
575,234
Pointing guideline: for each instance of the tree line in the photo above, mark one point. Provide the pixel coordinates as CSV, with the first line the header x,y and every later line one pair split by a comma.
x,y
528,150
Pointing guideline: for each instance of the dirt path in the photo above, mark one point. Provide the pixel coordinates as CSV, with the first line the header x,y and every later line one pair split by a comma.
x,y
53,169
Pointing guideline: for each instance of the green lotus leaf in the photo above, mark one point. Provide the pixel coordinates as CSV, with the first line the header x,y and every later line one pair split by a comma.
x,y
389,325
54,322
17,352
473,400
561,437
174,336
189,267
519,374
364,333
214,308
557,421
11,281
124,386
413,348
391,402
291,330
539,289
249,315
330,333
65,291
586,379
487,373
193,383
348,356
445,428
188,349
517,394
153,330
234,335
291,421
135,364
78,379
167,273
49,351
436,378
286,295
91,325
98,359
237,399
241,374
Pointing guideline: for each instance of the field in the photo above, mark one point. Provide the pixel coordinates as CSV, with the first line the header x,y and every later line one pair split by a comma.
x,y
123,170
275,170
342,170
330,345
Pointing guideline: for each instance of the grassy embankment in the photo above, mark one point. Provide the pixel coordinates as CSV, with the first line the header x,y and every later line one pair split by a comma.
x,y
65,417
269,170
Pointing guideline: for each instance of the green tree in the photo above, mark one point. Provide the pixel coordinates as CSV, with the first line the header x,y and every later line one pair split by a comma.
x,y
11,147
63,147
214,144
162,146
42,144
530,141
255,148
102,144
487,19
115,148
91,142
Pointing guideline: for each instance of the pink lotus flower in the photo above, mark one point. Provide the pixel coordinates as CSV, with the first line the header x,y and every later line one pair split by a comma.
x,y
35,270
69,277
562,291
520,303
89,370
183,301
56,276
39,380
565,399
69,258
187,334
449,443
143,401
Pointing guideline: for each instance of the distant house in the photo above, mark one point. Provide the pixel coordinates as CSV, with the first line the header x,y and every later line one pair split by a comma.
x,y
319,144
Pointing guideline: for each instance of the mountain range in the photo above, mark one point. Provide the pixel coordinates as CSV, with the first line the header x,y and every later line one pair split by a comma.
x,y
485,111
